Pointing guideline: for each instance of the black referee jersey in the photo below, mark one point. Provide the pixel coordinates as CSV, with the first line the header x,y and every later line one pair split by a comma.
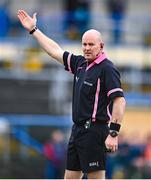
x,y
95,86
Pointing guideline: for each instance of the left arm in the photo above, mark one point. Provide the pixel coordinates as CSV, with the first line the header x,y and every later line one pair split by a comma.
x,y
119,104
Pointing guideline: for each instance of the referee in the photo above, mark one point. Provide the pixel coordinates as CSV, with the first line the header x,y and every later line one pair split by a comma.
x,y
98,101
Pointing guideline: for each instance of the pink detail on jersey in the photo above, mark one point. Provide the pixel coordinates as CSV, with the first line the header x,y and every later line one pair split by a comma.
x,y
96,101
108,112
114,90
92,64
68,62
101,58
97,60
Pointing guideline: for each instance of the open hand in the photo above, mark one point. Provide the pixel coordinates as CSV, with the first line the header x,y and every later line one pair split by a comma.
x,y
27,22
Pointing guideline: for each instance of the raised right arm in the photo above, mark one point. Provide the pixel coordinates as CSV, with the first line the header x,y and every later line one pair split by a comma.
x,y
50,46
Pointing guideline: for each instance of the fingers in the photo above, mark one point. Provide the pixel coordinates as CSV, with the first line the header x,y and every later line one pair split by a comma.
x,y
34,17
24,13
21,15
111,143
112,148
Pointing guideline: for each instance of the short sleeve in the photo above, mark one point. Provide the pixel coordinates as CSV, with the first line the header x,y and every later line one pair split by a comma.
x,y
112,82
71,61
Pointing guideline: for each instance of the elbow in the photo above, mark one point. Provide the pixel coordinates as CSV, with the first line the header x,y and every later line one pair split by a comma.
x,y
124,103
121,101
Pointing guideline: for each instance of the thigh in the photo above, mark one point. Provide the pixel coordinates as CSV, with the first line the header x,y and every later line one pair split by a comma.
x,y
73,163
91,149
96,175
72,174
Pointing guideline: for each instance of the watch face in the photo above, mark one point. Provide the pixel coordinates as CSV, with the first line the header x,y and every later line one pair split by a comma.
x,y
114,133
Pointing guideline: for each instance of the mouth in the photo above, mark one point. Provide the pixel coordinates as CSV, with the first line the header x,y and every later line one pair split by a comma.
x,y
87,54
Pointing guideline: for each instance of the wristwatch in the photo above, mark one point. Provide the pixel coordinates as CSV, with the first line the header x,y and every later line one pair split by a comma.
x,y
113,133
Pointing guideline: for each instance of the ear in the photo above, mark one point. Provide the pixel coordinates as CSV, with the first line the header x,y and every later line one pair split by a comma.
x,y
101,45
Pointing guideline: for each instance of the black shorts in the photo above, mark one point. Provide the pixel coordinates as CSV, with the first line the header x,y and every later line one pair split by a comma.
x,y
86,148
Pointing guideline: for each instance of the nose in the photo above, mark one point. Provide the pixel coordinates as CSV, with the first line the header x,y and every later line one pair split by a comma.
x,y
87,47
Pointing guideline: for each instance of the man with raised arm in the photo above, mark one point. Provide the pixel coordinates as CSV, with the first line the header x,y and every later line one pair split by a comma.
x,y
98,101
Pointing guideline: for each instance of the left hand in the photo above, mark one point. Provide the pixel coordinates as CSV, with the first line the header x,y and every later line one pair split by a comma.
x,y
111,143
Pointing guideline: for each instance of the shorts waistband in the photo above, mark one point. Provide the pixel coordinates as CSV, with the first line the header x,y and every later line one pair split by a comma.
x,y
103,122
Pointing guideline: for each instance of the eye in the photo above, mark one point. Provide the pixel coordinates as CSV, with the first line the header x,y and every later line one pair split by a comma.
x,y
91,44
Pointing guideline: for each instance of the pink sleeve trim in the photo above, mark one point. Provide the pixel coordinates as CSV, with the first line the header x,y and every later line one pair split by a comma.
x,y
68,62
114,90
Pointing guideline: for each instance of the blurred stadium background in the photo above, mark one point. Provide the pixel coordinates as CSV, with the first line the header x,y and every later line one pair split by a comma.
x,y
36,92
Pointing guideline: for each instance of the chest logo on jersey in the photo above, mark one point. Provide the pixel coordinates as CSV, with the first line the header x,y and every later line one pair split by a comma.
x,y
79,68
77,78
88,83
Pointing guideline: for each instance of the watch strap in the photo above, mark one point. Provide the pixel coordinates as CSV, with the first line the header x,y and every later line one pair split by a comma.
x,y
33,30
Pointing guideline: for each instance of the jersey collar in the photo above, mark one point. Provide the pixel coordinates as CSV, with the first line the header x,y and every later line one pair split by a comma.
x,y
101,58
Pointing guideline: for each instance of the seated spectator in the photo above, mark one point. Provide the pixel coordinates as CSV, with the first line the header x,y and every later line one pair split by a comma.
x,y
116,10
147,152
54,151
77,18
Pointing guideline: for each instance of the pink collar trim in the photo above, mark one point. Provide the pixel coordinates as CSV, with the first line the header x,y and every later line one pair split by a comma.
x,y
101,57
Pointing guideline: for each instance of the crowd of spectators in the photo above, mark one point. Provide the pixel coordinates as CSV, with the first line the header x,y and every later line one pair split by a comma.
x,y
132,160
75,21
75,18
9,26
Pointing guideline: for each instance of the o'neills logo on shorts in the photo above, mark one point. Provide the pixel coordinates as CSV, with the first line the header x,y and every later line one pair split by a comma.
x,y
94,164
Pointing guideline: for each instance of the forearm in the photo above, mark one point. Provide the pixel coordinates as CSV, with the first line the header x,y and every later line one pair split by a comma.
x,y
50,46
111,141
118,110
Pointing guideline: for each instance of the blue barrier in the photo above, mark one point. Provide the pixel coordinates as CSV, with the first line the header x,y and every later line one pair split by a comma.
x,y
26,139
138,99
37,120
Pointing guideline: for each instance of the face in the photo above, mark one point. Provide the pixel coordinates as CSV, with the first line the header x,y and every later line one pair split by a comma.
x,y
92,46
